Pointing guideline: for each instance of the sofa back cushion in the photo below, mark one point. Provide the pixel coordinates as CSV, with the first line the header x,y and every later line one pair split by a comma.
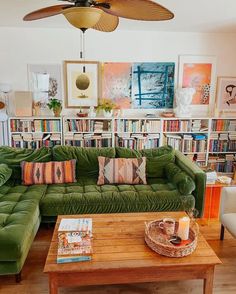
x,y
5,174
87,158
130,171
14,156
157,158
53,172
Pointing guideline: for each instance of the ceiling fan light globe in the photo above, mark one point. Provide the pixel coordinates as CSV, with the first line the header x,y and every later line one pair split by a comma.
x,y
83,17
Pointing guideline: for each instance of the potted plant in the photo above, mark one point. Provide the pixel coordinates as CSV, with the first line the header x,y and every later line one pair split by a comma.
x,y
56,106
106,106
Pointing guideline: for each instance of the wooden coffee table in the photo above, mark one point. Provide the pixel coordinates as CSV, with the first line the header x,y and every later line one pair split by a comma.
x,y
121,256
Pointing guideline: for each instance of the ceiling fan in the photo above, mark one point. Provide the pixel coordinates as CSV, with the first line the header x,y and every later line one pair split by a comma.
x,y
103,15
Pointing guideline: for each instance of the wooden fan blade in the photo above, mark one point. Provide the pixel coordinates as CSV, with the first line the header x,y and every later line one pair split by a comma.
x,y
107,23
46,12
137,9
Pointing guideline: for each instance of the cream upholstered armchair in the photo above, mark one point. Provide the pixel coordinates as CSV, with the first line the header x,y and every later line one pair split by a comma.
x,y
228,211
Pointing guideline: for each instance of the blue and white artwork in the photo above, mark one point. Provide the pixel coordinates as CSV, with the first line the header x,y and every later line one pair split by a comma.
x,y
153,85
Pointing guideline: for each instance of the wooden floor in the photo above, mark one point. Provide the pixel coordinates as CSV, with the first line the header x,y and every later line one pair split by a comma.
x,y
35,282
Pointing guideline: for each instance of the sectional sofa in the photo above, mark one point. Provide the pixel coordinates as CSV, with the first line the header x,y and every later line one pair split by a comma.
x,y
174,183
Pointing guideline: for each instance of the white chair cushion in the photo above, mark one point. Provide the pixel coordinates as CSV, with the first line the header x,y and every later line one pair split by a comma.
x,y
229,221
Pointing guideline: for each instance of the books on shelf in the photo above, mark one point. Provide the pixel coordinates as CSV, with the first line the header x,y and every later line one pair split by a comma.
x,y
195,125
222,142
221,163
88,139
74,240
137,125
35,140
187,142
35,125
137,140
223,125
88,125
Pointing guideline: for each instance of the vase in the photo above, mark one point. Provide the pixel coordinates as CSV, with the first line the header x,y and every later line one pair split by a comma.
x,y
107,114
57,111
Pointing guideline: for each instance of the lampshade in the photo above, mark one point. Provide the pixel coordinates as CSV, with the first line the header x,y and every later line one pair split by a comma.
x,y
83,17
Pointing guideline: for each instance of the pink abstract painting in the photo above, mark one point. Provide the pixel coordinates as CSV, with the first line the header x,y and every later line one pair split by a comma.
x,y
117,83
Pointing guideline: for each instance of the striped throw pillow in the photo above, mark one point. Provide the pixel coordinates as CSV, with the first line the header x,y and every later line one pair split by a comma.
x,y
122,171
54,172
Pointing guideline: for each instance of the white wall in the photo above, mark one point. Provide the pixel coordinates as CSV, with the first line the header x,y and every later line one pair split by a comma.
x,y
22,46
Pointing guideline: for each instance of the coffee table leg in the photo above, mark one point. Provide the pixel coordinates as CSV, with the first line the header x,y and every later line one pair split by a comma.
x,y
53,286
208,281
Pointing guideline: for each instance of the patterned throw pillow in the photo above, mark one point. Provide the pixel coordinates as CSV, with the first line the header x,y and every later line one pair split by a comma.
x,y
122,171
54,172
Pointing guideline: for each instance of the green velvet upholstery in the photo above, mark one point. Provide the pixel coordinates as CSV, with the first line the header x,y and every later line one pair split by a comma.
x,y
198,176
5,174
23,207
87,162
86,197
14,156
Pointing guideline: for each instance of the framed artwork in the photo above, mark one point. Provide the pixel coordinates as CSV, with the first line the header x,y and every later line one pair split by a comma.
x,y
117,83
81,83
198,72
45,82
153,85
226,94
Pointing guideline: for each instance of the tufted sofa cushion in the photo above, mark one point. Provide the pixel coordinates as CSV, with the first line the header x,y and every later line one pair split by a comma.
x,y
86,197
19,212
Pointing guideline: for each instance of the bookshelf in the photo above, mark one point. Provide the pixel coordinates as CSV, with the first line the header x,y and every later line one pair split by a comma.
x,y
88,132
35,132
209,142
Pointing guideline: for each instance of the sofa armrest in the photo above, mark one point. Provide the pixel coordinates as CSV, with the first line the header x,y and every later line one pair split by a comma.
x,y
228,200
197,175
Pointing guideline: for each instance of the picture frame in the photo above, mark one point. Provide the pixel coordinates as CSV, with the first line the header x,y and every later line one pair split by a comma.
x,y
199,72
226,95
44,82
82,86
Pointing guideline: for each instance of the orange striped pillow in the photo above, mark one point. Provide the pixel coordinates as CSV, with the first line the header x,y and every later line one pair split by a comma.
x,y
54,172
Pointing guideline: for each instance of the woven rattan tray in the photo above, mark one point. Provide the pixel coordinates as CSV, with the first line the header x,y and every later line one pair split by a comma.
x,y
160,243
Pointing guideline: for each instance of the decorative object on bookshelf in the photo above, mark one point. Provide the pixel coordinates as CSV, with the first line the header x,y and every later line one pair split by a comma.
x,y
198,72
23,103
76,95
37,108
226,95
56,106
92,112
2,105
167,114
82,114
106,106
184,98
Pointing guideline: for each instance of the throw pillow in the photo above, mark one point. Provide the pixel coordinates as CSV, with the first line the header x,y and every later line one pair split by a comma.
x,y
5,174
54,172
122,171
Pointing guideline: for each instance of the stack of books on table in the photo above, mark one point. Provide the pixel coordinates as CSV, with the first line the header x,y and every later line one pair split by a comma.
x,y
74,240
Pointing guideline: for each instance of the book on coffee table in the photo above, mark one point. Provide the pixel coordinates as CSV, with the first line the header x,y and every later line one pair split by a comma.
x,y
74,240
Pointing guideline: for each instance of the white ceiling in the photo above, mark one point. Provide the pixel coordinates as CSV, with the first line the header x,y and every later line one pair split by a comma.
x,y
190,15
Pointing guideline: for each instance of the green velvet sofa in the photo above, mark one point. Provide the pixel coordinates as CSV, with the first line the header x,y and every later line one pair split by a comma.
x,y
174,183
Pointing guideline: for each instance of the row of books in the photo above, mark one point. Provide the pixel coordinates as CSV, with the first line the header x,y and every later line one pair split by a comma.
x,y
222,142
223,125
133,126
137,141
35,140
187,143
224,164
37,125
89,140
73,125
74,240
185,126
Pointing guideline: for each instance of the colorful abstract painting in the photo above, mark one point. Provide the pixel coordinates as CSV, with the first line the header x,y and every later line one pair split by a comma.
x,y
117,83
153,85
198,76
